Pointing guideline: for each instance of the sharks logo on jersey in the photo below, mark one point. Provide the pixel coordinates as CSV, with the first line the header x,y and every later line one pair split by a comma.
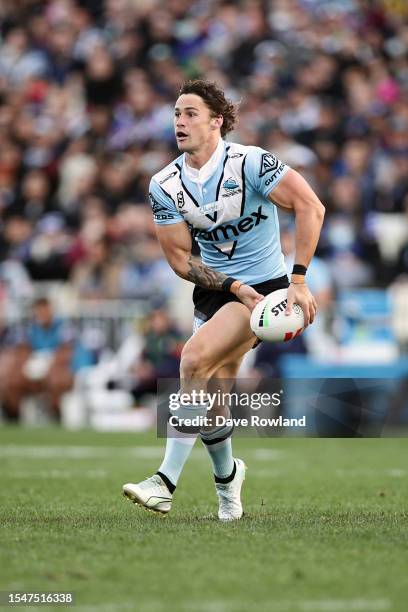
x,y
230,216
230,184
231,187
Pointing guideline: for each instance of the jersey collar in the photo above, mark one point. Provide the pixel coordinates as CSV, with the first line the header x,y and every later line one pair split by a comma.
x,y
202,175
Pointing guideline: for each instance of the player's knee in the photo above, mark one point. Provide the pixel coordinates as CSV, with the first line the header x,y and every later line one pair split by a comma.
x,y
194,363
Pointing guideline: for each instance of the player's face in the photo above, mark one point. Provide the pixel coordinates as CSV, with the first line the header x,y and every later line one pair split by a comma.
x,y
193,125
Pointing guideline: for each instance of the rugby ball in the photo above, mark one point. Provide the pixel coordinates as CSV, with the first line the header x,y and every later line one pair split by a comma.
x,y
269,322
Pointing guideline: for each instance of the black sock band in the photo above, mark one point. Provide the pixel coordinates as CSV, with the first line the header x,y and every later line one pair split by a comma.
x,y
219,434
228,478
171,487
215,440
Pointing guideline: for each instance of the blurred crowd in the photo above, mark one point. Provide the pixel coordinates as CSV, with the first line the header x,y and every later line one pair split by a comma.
x,y
87,89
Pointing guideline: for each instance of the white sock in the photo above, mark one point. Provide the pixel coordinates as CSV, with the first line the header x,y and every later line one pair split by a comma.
x,y
178,449
221,457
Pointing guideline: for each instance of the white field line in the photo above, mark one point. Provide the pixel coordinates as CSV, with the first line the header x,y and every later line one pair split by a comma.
x,y
59,474
77,452
393,472
346,605
14,451
323,605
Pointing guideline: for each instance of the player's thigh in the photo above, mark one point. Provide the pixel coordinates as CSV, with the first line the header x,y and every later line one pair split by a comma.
x,y
223,339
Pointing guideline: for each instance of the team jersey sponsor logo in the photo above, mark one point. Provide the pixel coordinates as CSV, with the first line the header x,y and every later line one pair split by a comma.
x,y
166,178
209,208
269,163
235,156
228,231
156,206
160,212
274,175
231,193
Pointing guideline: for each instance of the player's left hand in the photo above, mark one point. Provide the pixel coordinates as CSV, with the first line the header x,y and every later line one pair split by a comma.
x,y
300,294
249,296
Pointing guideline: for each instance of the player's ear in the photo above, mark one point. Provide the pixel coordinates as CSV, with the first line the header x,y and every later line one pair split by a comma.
x,y
216,122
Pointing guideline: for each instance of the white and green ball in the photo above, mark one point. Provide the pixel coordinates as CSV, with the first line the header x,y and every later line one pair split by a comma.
x,y
269,322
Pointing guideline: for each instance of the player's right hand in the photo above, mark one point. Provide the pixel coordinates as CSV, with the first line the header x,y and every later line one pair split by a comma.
x,y
249,296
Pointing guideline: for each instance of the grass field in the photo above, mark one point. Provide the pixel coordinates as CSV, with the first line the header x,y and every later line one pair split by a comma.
x,y
325,529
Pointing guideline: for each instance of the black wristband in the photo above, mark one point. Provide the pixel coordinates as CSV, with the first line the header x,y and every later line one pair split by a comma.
x,y
299,269
226,285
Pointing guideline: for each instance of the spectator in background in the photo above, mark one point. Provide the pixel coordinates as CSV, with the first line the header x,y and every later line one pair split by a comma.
x,y
15,239
143,272
160,357
97,275
7,354
77,176
401,267
49,249
321,283
42,359
34,201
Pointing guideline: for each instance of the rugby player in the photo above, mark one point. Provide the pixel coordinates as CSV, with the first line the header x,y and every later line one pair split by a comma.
x,y
223,195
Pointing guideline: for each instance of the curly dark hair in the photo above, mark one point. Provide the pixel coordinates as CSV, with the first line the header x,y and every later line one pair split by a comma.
x,y
216,101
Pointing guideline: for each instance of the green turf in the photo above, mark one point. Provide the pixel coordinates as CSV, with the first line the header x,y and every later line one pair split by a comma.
x,y
325,526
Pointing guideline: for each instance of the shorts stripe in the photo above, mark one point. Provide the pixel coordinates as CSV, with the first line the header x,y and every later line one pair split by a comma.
x,y
197,323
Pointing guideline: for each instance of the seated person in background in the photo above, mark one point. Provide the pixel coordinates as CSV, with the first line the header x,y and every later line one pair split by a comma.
x,y
43,359
160,357
8,349
96,277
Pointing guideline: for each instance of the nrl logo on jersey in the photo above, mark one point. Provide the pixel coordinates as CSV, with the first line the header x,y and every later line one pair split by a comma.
x,y
181,202
269,163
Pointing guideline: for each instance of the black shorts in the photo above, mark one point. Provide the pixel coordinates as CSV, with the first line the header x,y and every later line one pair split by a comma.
x,y
208,301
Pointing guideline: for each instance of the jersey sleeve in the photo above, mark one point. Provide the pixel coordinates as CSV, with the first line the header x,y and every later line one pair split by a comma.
x,y
164,209
263,170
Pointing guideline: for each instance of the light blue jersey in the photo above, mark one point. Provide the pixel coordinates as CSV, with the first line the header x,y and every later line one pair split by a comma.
x,y
232,219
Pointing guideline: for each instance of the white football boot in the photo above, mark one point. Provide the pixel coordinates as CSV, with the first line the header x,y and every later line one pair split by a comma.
x,y
151,493
229,494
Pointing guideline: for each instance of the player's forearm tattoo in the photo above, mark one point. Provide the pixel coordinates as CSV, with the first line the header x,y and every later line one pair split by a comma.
x,y
202,275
